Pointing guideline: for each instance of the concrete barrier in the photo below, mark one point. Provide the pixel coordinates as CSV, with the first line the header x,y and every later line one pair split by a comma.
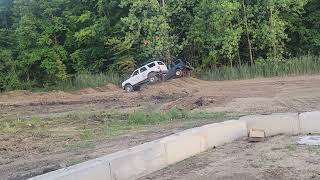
x,y
310,122
93,169
281,123
144,159
137,161
225,132
183,145
194,141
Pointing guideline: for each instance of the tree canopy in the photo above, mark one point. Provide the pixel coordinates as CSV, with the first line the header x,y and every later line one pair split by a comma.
x,y
43,42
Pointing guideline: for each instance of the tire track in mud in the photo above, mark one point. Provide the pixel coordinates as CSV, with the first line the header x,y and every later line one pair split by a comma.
x,y
296,93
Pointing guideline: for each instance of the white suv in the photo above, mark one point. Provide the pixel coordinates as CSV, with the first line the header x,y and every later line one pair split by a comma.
x,y
148,72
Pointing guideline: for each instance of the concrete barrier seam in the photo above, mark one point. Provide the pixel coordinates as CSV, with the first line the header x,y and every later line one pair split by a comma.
x,y
298,124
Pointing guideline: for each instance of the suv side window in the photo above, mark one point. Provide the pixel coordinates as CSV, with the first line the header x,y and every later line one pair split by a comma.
x,y
143,69
151,65
136,72
160,63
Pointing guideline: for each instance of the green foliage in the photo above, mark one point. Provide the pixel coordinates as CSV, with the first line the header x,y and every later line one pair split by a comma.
x,y
34,127
49,43
86,81
305,65
216,30
143,118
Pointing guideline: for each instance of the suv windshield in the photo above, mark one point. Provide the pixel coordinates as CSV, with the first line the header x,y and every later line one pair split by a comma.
x,y
160,63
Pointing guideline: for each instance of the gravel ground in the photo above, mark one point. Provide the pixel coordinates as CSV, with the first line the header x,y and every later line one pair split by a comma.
x,y
279,157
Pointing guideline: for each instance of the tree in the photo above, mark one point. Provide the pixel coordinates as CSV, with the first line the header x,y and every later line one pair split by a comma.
x,y
303,28
216,30
146,30
46,42
39,41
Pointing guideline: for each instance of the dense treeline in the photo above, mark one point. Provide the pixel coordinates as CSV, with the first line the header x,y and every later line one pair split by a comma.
x,y
43,42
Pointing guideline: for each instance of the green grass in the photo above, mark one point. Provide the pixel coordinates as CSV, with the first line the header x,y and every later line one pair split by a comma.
x,y
78,131
33,126
147,118
314,150
100,125
141,120
292,147
305,65
81,81
262,68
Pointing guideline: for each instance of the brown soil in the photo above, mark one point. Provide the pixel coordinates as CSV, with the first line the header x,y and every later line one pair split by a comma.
x,y
25,155
277,158
288,94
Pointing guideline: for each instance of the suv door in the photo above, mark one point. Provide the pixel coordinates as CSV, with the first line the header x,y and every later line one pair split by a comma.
x,y
135,77
144,73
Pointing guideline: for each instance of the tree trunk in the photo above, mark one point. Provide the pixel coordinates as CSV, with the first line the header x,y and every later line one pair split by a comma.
x,y
250,49
274,51
239,58
247,32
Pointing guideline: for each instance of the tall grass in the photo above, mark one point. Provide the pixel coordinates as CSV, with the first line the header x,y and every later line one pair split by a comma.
x,y
81,81
265,68
262,68
144,118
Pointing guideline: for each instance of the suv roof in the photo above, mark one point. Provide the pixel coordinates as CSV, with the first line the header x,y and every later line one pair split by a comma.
x,y
151,60
142,67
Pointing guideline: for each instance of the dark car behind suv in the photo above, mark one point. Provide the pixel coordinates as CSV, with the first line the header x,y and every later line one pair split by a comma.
x,y
178,68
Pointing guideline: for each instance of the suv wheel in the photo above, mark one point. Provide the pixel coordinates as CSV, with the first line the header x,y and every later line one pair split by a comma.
x,y
153,78
178,73
128,88
136,88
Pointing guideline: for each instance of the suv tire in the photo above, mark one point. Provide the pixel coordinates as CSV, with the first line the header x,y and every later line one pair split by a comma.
x,y
179,73
136,88
128,87
152,78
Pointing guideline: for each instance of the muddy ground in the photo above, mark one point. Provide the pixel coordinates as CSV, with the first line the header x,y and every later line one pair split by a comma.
x,y
25,153
278,158
288,94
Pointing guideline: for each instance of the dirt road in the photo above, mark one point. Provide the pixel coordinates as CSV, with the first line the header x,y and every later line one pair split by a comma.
x,y
288,94
33,150
277,158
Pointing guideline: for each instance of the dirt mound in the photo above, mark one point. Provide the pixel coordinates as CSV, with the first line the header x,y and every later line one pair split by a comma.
x,y
111,87
86,91
12,94
191,103
256,95
107,88
175,87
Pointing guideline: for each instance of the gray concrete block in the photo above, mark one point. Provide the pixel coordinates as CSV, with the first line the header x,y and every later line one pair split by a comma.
x,y
184,145
281,123
225,132
137,161
194,141
310,122
141,160
90,170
